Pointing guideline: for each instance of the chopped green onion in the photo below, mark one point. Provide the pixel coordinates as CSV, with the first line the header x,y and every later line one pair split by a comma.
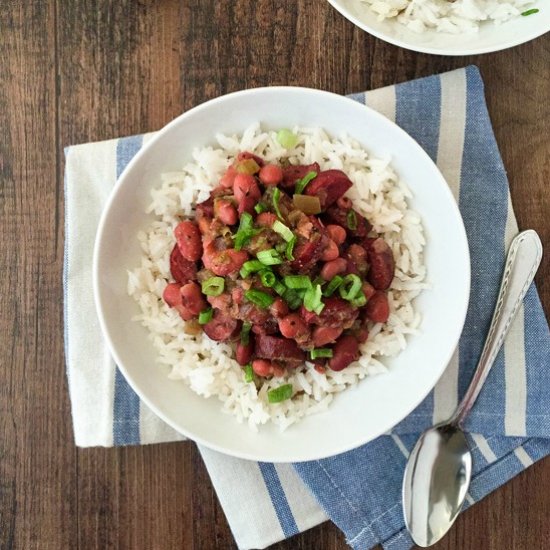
x,y
250,267
283,230
290,249
279,288
351,219
276,197
268,278
261,299
248,373
282,393
350,287
292,298
205,316
245,333
318,281
530,12
281,247
259,208
360,300
335,282
301,184
213,286
320,352
312,299
287,139
297,281
269,257
245,231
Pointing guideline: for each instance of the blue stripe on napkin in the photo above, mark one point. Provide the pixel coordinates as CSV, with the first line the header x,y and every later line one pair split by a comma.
x,y
126,402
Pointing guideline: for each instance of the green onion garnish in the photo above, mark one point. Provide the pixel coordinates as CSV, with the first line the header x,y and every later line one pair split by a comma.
x,y
261,299
251,267
320,352
301,184
282,393
276,197
292,298
259,208
245,334
335,282
245,231
283,230
297,281
360,300
312,299
287,139
279,288
351,219
350,287
281,247
205,316
530,12
213,286
269,257
268,278
248,373
290,249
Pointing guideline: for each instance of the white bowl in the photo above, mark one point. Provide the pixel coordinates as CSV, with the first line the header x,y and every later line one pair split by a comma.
x,y
489,38
359,414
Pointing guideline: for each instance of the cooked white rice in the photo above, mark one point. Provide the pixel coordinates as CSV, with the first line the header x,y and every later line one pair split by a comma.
x,y
208,367
456,16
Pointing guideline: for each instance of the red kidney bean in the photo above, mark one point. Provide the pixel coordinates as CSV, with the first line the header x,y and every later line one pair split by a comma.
x,y
262,367
382,264
245,186
245,155
278,308
358,255
333,268
192,298
182,270
228,178
273,347
266,219
378,307
247,205
325,335
337,313
243,354
226,212
223,262
345,352
292,326
172,295
329,186
331,252
337,233
189,241
221,327
271,174
368,290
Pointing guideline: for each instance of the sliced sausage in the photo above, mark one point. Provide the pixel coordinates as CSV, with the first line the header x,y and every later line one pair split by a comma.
x,y
382,264
345,352
272,347
337,215
329,186
182,270
221,327
378,307
307,253
188,238
291,174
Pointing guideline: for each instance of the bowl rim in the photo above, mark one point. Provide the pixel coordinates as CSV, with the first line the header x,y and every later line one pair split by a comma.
x,y
337,5
98,300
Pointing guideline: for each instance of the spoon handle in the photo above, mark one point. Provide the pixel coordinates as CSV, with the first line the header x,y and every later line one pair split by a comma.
x,y
522,262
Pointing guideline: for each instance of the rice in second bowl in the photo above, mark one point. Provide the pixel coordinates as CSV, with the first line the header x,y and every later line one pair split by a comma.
x,y
448,16
207,366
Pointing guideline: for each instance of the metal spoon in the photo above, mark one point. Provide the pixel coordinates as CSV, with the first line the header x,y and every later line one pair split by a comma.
x,y
438,472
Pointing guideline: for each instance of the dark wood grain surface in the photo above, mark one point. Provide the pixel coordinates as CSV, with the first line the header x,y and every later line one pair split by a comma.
x,y
85,70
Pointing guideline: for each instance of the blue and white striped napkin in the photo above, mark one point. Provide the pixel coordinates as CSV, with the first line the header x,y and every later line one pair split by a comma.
x,y
359,490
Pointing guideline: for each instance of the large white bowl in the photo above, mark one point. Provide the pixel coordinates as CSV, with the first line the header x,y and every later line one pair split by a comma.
x,y
359,414
490,38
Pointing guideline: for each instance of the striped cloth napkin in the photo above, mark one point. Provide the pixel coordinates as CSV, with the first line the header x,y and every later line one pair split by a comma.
x,y
359,490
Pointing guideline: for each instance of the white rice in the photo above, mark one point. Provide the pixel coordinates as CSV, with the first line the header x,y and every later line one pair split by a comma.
x,y
456,16
208,367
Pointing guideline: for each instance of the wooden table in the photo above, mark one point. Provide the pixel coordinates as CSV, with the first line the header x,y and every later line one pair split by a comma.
x,y
80,71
